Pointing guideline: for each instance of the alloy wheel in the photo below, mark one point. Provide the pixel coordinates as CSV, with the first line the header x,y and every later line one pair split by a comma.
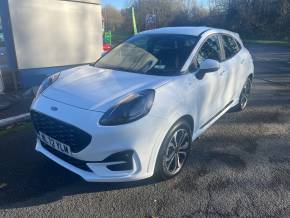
x,y
245,94
177,151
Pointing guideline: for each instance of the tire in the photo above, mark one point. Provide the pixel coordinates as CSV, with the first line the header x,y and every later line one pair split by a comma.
x,y
174,151
244,96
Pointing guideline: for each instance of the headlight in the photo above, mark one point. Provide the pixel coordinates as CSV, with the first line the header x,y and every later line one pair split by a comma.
x,y
46,83
132,108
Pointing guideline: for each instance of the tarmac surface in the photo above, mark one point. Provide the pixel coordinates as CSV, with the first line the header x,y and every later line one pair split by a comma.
x,y
240,167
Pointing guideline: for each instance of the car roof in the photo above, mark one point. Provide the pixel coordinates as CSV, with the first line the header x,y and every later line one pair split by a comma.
x,y
195,31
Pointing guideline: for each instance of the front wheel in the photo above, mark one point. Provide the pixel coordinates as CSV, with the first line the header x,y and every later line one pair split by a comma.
x,y
174,151
244,96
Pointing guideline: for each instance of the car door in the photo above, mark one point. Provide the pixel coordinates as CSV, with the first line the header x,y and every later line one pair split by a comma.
x,y
208,88
231,67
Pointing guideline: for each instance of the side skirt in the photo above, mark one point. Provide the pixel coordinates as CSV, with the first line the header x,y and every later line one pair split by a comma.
x,y
212,120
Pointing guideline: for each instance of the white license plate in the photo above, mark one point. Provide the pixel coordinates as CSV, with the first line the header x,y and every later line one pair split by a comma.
x,y
57,145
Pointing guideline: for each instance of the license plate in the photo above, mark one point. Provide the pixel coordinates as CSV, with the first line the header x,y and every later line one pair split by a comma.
x,y
57,145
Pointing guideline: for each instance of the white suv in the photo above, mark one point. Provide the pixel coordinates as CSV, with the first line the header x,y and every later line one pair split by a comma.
x,y
135,112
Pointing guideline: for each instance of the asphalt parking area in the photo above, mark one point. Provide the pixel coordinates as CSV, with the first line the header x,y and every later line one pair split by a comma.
x,y
239,167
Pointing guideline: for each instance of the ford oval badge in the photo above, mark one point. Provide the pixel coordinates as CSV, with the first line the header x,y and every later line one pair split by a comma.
x,y
54,108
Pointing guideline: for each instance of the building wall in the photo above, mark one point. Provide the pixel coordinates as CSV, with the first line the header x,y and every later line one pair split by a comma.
x,y
55,33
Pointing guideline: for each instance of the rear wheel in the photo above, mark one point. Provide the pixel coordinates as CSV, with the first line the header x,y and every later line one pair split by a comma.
x,y
174,151
244,96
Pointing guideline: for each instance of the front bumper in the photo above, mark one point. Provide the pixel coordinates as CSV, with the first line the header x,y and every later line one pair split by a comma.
x,y
99,172
141,137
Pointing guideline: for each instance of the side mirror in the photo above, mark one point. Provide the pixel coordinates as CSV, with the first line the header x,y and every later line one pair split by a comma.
x,y
207,66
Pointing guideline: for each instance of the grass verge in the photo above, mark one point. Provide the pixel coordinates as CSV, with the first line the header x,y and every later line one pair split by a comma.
x,y
269,42
15,128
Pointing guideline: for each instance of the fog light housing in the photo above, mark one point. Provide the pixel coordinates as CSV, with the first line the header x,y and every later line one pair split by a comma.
x,y
121,161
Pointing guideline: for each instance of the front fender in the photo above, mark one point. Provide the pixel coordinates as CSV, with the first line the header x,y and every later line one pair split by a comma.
x,y
175,100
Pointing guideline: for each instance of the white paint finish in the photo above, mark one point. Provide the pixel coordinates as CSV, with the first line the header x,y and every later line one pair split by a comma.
x,y
83,95
106,140
87,87
51,33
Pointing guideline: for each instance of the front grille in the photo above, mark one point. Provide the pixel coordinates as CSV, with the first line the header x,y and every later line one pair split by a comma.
x,y
72,136
77,163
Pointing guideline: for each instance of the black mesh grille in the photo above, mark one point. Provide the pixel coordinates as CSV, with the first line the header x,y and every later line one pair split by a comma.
x,y
72,136
77,163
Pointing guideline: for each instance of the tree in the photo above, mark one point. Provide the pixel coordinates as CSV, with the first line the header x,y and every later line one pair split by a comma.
x,y
113,18
164,11
256,19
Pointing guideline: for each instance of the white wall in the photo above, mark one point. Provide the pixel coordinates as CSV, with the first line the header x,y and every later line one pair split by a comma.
x,y
50,33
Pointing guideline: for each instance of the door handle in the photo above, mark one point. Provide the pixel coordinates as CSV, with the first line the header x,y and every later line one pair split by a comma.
x,y
222,72
242,61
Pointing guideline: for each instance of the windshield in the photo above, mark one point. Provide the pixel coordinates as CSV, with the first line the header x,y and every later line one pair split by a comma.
x,y
155,54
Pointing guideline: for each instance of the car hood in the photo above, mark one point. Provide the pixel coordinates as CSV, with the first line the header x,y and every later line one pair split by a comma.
x,y
96,89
